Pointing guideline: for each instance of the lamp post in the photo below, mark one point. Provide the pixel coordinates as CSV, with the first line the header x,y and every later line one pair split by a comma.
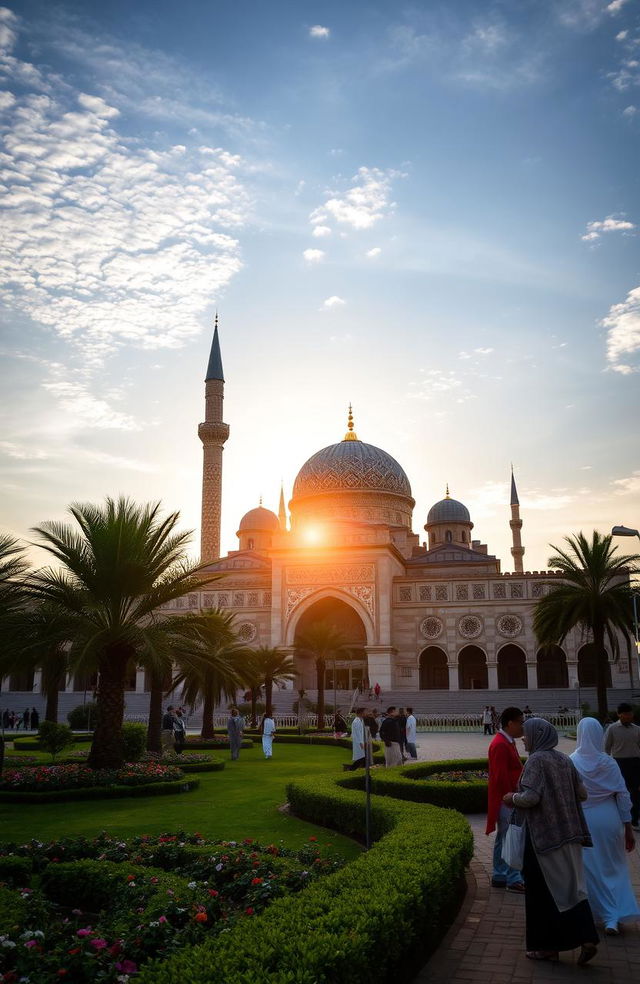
x,y
627,531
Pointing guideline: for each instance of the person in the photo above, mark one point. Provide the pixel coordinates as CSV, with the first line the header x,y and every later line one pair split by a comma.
x,y
548,805
505,769
526,710
35,719
411,733
608,815
179,731
357,740
166,733
402,721
339,725
267,730
235,727
486,720
377,691
392,738
622,741
371,722
495,720
26,719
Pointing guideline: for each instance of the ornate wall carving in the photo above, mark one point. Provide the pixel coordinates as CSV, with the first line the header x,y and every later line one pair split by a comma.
x,y
335,574
509,626
431,627
470,626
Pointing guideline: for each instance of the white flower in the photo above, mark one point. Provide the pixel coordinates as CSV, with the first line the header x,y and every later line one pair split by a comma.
x,y
219,867
192,885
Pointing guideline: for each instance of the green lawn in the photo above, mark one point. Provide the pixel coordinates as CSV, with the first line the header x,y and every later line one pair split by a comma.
x,y
241,801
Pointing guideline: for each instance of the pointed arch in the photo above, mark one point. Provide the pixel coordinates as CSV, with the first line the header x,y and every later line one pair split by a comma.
x,y
512,668
334,595
472,668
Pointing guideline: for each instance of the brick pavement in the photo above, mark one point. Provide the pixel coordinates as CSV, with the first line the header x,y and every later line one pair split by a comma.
x,y
486,943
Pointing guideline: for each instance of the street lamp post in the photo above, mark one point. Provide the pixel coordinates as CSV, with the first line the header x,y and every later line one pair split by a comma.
x,y
627,531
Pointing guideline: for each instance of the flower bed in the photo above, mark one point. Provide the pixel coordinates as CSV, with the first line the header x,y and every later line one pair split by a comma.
x,y
458,784
43,778
96,910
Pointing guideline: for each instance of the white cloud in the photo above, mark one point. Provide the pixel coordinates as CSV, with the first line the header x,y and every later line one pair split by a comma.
x,y
364,204
626,486
623,333
107,241
314,255
622,36
334,301
320,231
615,6
372,253
612,223
629,111
86,409
317,31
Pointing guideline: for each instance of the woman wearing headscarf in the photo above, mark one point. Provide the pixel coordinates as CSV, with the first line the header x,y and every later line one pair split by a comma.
x,y
558,916
608,815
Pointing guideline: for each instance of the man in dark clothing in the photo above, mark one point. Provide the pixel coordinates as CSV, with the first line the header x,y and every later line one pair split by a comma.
x,y
371,723
166,735
622,741
392,737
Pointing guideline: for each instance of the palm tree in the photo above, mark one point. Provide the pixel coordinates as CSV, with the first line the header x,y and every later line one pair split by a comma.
x,y
213,669
272,666
322,641
594,594
13,567
115,574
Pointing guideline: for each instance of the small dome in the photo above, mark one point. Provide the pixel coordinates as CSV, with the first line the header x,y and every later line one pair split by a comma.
x,y
351,466
260,519
448,511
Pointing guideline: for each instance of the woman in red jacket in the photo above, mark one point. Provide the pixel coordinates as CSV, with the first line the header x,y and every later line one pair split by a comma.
x,y
505,769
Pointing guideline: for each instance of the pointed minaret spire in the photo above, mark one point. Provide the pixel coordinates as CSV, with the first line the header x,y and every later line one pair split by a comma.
x,y
213,433
517,550
214,369
282,512
447,496
351,434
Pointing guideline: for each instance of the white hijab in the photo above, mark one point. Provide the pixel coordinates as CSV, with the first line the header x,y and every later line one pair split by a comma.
x,y
599,772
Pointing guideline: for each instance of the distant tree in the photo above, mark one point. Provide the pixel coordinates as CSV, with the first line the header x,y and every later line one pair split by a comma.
x,y
594,594
272,666
323,642
54,738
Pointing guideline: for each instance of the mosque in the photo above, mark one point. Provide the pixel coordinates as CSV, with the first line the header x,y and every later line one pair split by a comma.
x,y
428,619
437,615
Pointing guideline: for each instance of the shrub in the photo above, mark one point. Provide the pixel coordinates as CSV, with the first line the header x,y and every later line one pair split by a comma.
x,y
83,717
15,870
413,782
377,917
134,741
245,708
54,737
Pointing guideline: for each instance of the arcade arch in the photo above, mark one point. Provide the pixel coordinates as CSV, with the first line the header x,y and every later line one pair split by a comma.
x,y
434,670
512,668
552,668
347,671
587,667
472,669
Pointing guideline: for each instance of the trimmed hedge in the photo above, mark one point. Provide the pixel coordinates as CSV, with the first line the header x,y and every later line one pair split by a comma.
x,y
322,739
15,870
376,919
405,784
103,792
33,745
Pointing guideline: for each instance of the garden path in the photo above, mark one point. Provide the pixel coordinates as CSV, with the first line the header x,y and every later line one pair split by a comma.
x,y
485,945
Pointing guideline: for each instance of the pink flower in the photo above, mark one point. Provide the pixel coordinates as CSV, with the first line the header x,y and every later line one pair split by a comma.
x,y
30,943
163,919
99,944
127,967
85,932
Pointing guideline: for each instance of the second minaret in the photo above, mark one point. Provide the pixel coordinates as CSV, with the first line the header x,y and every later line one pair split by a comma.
x,y
213,433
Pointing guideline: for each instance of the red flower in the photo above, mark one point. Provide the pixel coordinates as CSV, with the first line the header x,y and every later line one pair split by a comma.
x,y
256,881
62,972
249,911
313,838
213,893
72,952
201,917
131,877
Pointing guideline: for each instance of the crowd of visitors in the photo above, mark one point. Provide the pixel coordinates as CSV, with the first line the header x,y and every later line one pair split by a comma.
x,y
563,825
27,720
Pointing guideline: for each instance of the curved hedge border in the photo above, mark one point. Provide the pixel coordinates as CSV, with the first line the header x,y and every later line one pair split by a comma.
x,y
326,740
404,783
32,744
102,792
376,919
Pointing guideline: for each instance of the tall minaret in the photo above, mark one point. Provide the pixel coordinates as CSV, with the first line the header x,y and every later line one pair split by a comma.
x,y
282,512
517,550
213,433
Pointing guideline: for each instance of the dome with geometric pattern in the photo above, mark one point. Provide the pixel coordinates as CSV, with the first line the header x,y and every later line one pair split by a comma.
x,y
351,466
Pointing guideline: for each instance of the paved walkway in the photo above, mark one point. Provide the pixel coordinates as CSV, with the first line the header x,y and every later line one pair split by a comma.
x,y
486,943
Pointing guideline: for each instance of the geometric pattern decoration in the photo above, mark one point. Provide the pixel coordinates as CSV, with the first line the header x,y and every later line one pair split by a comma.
x,y
470,626
247,631
431,627
509,626
351,465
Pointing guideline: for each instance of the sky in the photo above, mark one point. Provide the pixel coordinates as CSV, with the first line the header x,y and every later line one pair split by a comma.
x,y
429,210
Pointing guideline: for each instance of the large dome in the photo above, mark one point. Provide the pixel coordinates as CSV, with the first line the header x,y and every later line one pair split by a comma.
x,y
448,511
260,519
349,466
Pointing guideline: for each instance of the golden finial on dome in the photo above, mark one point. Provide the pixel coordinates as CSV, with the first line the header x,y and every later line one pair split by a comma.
x,y
447,496
351,434
260,502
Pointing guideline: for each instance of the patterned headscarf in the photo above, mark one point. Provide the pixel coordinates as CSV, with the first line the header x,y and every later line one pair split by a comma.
x,y
541,736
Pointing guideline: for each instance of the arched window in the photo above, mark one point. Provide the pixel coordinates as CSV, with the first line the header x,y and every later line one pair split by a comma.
x,y
448,536
464,537
251,543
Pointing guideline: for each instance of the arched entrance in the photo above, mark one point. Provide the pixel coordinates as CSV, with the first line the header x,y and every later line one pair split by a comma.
x,y
434,672
347,672
552,668
587,667
512,668
472,669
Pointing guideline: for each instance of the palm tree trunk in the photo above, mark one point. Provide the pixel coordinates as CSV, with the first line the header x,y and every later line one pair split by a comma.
x,y
51,708
207,714
320,671
254,701
154,728
107,749
601,670
268,696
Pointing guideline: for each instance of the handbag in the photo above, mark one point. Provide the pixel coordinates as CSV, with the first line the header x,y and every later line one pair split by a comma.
x,y
513,846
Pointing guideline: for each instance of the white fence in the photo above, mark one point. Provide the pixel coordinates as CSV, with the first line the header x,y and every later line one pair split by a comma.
x,y
426,722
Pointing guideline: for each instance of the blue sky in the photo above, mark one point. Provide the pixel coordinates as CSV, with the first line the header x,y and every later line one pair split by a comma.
x,y
430,210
